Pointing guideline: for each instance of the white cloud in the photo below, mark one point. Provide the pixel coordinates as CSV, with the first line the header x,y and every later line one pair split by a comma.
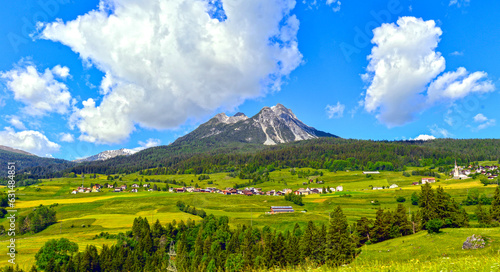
x,y
403,63
28,140
149,143
424,137
335,3
66,137
484,122
15,122
456,85
457,53
40,92
336,111
459,3
167,61
479,118
440,132
62,72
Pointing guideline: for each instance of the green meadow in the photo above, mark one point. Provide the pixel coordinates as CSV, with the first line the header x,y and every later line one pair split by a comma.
x,y
82,216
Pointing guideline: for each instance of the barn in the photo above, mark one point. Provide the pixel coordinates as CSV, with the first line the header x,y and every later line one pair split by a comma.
x,y
281,209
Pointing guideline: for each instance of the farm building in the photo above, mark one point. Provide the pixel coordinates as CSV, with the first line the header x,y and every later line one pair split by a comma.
x,y
428,180
281,209
393,186
371,172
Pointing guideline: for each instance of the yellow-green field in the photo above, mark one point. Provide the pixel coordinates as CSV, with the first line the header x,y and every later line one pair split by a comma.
x,y
82,216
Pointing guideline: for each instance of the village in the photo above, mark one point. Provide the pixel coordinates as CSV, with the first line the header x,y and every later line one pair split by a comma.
x,y
489,172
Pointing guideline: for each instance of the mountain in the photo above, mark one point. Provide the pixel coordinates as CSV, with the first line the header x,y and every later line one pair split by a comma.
x,y
271,126
10,149
108,154
28,163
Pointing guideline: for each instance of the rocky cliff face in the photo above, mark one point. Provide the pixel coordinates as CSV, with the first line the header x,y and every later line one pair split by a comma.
x,y
272,125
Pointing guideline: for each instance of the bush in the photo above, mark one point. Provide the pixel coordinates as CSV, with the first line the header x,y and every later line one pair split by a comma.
x,y
434,225
401,199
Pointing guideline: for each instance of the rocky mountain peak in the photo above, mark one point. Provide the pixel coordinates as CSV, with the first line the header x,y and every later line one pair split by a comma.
x,y
272,125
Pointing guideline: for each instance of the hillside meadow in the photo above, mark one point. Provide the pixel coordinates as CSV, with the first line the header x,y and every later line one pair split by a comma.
x,y
83,216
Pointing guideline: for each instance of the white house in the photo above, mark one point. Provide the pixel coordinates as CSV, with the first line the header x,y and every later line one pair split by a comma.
x,y
393,186
377,188
339,188
74,192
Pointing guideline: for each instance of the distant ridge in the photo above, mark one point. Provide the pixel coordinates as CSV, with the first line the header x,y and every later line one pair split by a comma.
x,y
108,154
18,151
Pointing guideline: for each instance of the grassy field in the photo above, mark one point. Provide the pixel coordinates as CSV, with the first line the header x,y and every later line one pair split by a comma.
x,y
82,216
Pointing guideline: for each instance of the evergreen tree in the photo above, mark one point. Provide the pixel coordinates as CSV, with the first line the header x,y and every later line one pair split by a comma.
x,y
495,205
339,246
427,204
482,215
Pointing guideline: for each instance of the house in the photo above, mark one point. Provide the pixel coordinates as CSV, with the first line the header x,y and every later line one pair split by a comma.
x,y
135,185
371,172
281,209
332,189
415,183
377,188
95,189
87,190
319,182
247,192
339,188
81,189
393,186
74,192
110,186
315,191
287,191
179,190
133,190
123,187
145,185
98,186
118,190
428,180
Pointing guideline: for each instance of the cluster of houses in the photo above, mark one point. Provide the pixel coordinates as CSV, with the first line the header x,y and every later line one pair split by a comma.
x,y
491,172
95,189
255,191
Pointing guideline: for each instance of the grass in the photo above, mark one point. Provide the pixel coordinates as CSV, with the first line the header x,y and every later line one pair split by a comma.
x,y
114,212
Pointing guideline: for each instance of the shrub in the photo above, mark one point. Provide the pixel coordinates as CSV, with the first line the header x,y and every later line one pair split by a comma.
x,y
401,199
434,225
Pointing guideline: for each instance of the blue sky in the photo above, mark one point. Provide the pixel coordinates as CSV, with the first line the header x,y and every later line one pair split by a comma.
x,y
80,77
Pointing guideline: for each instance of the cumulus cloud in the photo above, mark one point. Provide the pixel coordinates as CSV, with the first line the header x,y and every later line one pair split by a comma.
x,y
149,143
479,118
484,122
167,61
424,137
40,92
402,70
66,137
15,122
458,84
28,140
336,111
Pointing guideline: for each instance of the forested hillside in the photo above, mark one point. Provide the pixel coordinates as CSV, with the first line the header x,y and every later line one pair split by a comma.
x,y
326,153
36,165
